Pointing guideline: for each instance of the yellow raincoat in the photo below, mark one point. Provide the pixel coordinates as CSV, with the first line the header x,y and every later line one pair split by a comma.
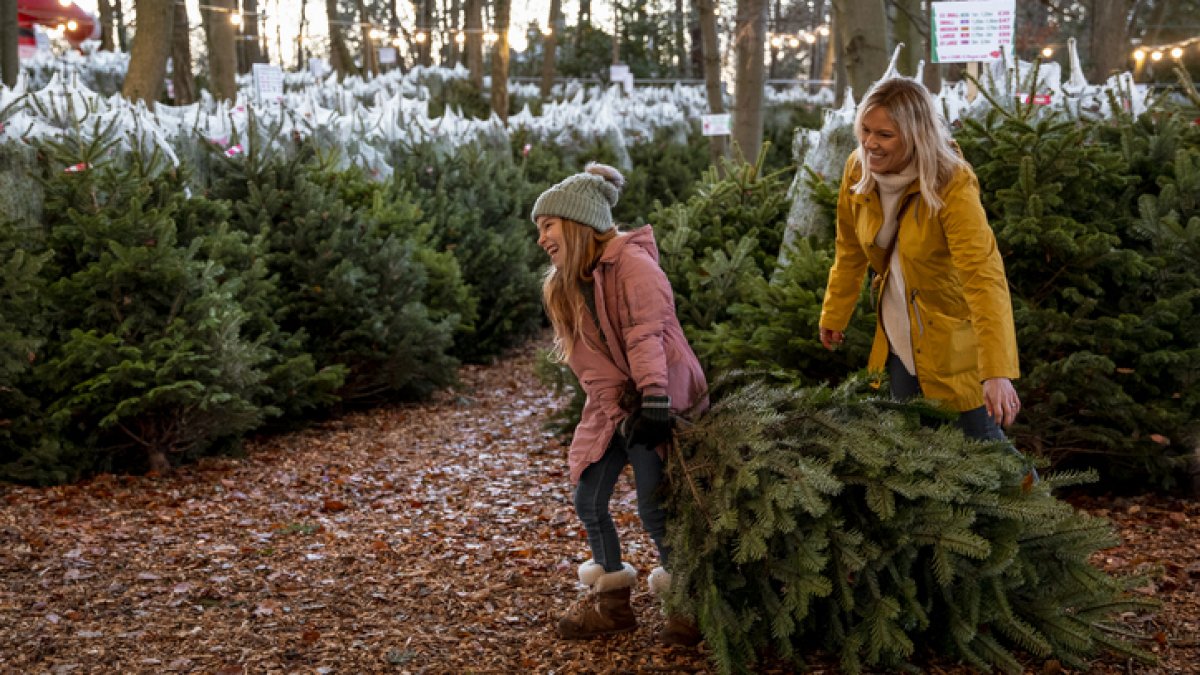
x,y
957,295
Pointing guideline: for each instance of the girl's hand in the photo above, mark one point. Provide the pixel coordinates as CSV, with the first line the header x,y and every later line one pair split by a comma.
x,y
832,339
1001,400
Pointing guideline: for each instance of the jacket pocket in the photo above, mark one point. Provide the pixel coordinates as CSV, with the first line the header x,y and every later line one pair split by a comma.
x,y
947,344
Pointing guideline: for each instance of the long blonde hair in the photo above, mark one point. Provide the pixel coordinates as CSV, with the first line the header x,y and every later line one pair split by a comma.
x,y
562,289
926,137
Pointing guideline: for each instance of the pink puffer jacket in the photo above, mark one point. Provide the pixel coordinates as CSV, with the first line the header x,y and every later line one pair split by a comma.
x,y
636,310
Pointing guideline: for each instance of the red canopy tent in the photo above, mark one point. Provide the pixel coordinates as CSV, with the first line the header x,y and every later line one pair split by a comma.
x,y
53,13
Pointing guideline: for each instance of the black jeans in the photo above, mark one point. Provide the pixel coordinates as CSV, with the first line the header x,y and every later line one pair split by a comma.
x,y
595,490
975,423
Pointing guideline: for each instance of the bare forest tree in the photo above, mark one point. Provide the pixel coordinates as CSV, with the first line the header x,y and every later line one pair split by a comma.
x,y
119,20
500,59
1110,33
222,50
453,46
749,44
339,54
707,9
555,24
9,51
181,57
370,58
151,47
425,25
862,28
105,9
474,41
911,27
301,52
249,46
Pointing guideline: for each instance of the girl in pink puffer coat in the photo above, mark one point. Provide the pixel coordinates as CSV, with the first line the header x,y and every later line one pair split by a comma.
x,y
614,321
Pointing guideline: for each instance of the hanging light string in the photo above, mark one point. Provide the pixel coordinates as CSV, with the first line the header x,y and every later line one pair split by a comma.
x,y
1175,50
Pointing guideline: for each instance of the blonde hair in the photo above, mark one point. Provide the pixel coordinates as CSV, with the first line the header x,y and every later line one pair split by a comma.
x,y
562,289
924,134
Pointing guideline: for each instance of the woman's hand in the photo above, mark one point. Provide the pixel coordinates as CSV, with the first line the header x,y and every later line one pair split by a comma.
x,y
832,339
1001,400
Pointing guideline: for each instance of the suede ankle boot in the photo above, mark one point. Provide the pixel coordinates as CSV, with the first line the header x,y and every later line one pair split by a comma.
x,y
679,630
605,609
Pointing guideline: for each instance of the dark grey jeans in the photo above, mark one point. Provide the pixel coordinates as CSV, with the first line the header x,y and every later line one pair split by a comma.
x,y
595,490
974,423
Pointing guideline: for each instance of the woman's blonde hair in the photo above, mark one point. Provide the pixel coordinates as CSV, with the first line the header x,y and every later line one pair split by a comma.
x,y
562,289
924,134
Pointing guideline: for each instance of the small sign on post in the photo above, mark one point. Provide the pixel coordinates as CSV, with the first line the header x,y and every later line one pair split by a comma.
x,y
387,56
268,82
619,73
715,125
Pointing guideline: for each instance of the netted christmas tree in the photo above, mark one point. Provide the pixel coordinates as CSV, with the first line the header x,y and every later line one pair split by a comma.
x,y
820,519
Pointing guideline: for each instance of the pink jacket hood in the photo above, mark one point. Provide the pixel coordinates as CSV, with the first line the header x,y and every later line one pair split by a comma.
x,y
635,308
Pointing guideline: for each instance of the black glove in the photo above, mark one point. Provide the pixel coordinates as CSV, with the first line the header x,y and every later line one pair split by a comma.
x,y
651,424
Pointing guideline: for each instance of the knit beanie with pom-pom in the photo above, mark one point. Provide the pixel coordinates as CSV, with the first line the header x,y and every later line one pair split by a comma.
x,y
586,198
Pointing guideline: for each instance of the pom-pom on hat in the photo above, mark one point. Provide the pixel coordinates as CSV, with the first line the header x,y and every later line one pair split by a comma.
x,y
586,198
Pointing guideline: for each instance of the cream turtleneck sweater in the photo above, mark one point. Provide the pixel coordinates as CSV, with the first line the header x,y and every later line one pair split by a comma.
x,y
892,299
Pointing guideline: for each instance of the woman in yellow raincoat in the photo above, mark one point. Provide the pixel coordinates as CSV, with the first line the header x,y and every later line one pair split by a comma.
x,y
909,208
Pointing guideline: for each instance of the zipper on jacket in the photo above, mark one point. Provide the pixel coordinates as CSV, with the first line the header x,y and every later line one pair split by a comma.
x,y
917,313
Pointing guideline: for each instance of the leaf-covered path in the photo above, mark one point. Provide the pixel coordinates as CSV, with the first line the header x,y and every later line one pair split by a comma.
x,y
427,539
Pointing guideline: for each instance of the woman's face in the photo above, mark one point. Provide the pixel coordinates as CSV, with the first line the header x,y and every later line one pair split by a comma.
x,y
882,142
550,238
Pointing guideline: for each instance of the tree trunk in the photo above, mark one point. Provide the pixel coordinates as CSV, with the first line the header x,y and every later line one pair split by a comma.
x,y
119,17
616,34
301,57
749,43
681,52
10,64
717,145
453,48
222,50
862,27
907,30
370,59
339,56
585,19
474,42
427,25
151,47
500,61
181,57
251,47
105,9
555,22
1109,35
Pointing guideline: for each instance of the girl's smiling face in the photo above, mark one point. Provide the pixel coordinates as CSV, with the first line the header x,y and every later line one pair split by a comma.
x,y
550,238
882,142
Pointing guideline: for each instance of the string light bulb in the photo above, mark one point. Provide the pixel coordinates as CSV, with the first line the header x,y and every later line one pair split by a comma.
x,y
72,24
824,31
1177,53
810,38
1047,52
794,42
776,42
1139,55
235,18
420,37
490,37
460,37
547,31
1156,55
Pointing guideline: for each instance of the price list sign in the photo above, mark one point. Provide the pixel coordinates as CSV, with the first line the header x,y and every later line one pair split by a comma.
x,y
975,30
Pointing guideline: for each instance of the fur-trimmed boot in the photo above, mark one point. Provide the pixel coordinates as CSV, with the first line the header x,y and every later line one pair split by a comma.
x,y
605,609
679,630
